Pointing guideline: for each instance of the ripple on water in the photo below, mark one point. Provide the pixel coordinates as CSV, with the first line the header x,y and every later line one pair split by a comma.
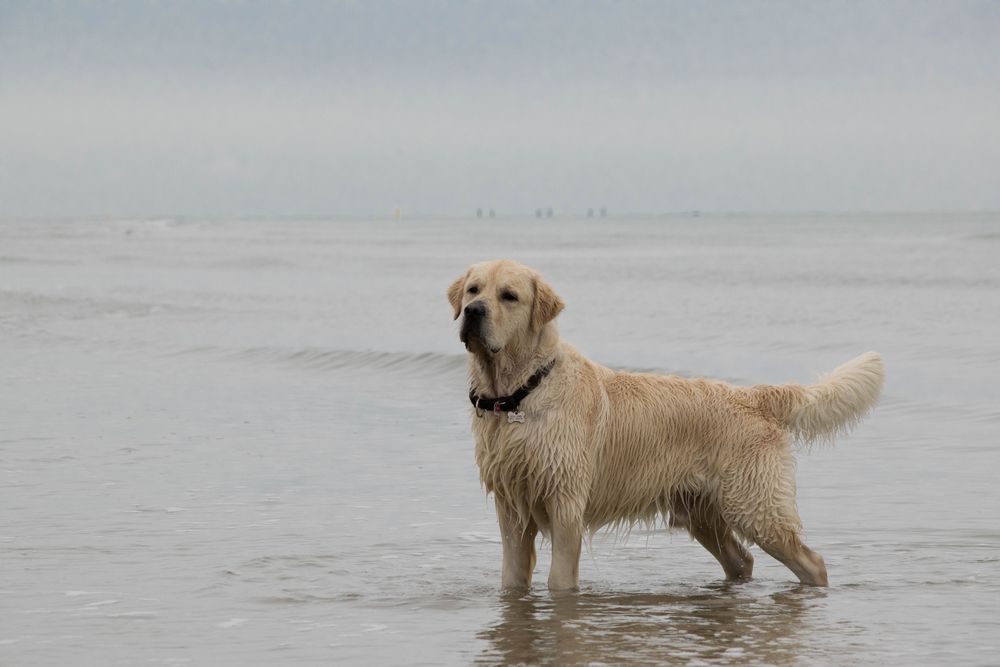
x,y
325,359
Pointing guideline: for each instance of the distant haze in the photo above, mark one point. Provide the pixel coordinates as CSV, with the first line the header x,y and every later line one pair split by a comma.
x,y
356,108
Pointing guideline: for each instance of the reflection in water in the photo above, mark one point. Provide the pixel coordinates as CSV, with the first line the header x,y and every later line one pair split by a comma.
x,y
717,624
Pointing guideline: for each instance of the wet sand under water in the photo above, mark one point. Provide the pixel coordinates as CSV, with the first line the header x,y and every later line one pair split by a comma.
x,y
248,442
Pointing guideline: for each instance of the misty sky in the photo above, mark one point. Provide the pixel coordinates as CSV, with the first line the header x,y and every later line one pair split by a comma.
x,y
354,108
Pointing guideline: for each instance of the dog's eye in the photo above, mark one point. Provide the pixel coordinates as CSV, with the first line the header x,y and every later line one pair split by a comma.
x,y
508,296
473,290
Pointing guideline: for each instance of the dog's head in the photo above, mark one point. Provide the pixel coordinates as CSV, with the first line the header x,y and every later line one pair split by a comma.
x,y
501,303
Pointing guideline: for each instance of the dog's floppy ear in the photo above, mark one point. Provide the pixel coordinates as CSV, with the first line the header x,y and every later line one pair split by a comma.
x,y
547,304
455,294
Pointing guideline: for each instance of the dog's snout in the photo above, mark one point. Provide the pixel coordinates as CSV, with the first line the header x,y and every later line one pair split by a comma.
x,y
474,322
475,309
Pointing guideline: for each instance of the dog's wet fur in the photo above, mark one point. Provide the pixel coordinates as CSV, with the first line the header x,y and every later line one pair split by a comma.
x,y
600,447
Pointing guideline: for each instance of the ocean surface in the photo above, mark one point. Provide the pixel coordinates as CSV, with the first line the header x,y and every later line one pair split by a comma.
x,y
247,442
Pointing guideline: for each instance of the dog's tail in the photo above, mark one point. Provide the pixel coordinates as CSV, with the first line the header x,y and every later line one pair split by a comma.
x,y
832,406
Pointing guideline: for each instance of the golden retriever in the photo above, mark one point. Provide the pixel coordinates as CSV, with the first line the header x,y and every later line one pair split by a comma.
x,y
567,445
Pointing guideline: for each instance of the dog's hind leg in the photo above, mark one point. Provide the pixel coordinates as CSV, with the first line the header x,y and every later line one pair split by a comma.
x,y
706,524
776,531
759,502
807,565
518,547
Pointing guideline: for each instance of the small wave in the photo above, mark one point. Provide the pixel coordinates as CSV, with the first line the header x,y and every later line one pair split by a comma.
x,y
324,359
11,259
253,263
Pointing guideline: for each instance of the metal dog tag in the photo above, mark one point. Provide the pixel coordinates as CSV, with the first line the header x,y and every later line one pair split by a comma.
x,y
515,417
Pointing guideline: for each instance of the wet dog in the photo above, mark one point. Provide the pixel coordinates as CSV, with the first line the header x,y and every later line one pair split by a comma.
x,y
567,445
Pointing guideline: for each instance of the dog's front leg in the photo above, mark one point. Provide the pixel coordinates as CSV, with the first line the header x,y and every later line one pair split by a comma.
x,y
518,547
567,535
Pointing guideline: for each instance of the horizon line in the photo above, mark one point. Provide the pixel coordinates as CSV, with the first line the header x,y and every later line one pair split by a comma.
x,y
402,216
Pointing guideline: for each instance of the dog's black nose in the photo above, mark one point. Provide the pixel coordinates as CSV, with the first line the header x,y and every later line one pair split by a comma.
x,y
475,309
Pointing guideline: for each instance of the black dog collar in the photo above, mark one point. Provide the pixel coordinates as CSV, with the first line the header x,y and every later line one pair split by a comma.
x,y
511,403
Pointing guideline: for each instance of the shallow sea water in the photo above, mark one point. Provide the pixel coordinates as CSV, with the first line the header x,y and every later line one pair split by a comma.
x,y
247,442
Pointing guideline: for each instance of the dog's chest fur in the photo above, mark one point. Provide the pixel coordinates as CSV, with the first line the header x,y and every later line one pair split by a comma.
x,y
527,465
511,457
548,457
